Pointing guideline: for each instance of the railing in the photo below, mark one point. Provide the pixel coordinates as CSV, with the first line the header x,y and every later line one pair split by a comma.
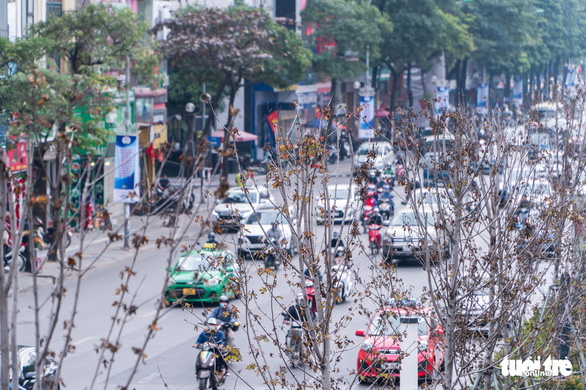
x,y
54,9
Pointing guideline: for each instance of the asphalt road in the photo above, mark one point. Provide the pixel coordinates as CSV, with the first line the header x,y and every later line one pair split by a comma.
x,y
169,357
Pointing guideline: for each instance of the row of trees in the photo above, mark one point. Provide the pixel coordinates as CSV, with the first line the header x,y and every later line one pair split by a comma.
x,y
511,37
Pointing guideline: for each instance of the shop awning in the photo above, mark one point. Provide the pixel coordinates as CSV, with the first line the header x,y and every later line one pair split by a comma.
x,y
242,136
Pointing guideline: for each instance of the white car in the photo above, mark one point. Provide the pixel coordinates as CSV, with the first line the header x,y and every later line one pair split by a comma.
x,y
404,238
344,204
238,205
384,155
252,235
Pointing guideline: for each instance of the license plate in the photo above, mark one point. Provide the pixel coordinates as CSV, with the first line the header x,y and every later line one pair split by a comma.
x,y
188,291
390,366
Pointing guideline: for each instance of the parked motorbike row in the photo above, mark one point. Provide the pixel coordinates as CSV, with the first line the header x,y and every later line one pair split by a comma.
x,y
41,238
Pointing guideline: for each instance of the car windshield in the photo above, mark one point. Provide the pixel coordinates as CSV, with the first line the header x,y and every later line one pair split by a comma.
x,y
240,197
540,139
365,149
425,198
267,217
338,193
546,114
410,219
390,325
196,262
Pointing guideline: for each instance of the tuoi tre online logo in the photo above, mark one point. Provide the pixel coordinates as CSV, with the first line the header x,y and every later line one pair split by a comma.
x,y
535,368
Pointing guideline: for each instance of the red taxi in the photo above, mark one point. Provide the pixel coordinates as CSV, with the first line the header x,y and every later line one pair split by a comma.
x,y
380,352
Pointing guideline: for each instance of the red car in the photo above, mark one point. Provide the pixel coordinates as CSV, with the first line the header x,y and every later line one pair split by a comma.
x,y
380,352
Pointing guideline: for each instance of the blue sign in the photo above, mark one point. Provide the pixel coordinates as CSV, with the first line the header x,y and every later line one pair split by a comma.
x,y
127,169
215,141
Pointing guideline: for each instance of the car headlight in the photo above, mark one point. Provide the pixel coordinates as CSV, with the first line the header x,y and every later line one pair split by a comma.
x,y
215,215
387,237
422,346
367,347
211,282
170,282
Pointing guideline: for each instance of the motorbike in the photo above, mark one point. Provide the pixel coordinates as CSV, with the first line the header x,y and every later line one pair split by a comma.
x,y
342,282
386,206
367,211
272,258
374,238
8,258
294,341
332,154
206,370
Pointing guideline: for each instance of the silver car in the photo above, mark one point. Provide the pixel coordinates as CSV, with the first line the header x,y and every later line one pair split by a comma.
x,y
238,205
252,238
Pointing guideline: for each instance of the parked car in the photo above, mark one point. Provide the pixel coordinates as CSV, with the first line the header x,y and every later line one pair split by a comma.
x,y
203,276
384,155
404,238
27,377
344,204
252,236
381,352
238,205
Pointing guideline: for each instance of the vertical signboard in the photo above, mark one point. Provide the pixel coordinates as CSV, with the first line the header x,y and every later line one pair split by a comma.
x,y
443,99
127,169
482,98
366,129
518,92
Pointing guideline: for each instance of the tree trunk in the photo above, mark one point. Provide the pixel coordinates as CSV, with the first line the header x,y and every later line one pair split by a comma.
x,y
462,81
232,113
395,75
4,334
409,91
507,92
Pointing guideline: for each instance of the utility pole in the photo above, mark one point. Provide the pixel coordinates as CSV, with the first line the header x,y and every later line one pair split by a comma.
x,y
126,204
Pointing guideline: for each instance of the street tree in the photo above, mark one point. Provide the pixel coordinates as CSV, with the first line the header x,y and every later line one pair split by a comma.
x,y
44,102
344,35
233,45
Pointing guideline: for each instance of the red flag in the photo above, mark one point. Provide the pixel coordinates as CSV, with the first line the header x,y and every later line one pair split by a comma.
x,y
273,119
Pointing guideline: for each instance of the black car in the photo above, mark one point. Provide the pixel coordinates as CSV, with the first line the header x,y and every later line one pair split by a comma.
x,y
27,376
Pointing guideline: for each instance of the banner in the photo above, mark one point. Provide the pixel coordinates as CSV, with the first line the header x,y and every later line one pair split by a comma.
x,y
366,129
273,119
442,95
127,169
17,157
518,92
482,98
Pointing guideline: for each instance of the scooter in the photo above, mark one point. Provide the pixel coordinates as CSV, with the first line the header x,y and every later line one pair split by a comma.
x,y
294,343
272,259
342,282
8,258
206,370
374,238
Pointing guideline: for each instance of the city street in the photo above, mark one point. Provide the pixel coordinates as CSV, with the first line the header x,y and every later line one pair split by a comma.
x,y
169,356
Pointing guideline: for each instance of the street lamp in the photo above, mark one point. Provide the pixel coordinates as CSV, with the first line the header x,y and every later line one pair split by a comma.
x,y
189,152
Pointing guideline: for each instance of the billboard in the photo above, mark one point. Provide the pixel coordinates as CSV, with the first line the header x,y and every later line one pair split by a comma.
x,y
366,129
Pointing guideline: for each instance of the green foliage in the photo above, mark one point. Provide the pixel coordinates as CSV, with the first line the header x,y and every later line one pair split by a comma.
x,y
355,27
227,46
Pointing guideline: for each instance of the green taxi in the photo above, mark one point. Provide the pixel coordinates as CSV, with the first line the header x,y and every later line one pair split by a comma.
x,y
203,276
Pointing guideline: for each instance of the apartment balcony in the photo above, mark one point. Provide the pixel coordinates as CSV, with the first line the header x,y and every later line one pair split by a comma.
x,y
54,9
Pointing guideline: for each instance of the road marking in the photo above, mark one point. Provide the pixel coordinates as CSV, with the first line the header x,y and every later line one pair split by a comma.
x,y
84,340
147,379
149,314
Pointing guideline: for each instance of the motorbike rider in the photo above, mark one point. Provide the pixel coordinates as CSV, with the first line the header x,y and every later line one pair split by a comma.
x,y
212,239
223,313
376,218
275,232
336,241
370,199
297,310
213,334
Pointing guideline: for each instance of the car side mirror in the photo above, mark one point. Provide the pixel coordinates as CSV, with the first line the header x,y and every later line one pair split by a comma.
x,y
360,332
387,223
